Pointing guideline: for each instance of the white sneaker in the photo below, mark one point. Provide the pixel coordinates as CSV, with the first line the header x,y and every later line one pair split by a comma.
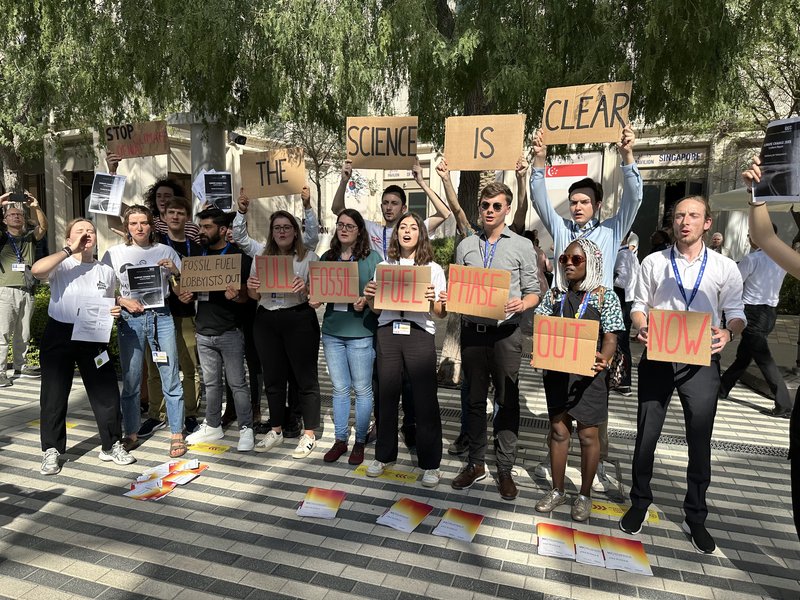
x,y
430,478
270,440
117,454
603,482
50,464
246,440
375,469
542,470
205,433
305,446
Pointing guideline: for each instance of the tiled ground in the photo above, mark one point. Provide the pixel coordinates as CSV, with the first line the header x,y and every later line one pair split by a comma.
x,y
233,532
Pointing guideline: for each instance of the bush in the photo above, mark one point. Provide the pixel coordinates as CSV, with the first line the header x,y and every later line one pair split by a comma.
x,y
444,250
789,302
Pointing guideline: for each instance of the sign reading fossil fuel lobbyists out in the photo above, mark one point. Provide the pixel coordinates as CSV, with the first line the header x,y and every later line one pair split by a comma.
x,y
679,336
581,114
483,142
274,173
381,142
137,139
478,292
210,273
565,345
333,281
402,287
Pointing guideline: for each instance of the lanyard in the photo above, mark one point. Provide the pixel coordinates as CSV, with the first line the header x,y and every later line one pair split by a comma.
x,y
224,250
680,281
351,259
488,253
581,308
188,251
583,233
17,251
385,256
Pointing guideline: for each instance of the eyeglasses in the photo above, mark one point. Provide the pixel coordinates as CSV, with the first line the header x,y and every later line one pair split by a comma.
x,y
282,228
497,206
576,259
346,226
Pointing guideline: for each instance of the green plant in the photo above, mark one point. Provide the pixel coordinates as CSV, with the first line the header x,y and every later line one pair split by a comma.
x,y
444,250
789,302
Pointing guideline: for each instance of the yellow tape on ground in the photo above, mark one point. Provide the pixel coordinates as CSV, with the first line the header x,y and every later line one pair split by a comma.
x,y
205,448
37,422
391,474
612,509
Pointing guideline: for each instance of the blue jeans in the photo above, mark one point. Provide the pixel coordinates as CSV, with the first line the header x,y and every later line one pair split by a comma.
x,y
218,352
134,332
350,365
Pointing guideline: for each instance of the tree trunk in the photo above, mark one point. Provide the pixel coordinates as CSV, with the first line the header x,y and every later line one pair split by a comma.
x,y
449,374
12,169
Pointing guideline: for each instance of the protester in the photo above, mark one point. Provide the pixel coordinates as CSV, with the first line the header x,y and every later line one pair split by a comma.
x,y
585,199
406,344
685,277
75,277
626,271
220,342
17,252
347,339
491,348
716,244
286,333
583,398
141,327
659,240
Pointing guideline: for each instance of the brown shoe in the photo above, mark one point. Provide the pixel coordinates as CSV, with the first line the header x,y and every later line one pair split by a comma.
x,y
505,485
332,455
357,455
469,475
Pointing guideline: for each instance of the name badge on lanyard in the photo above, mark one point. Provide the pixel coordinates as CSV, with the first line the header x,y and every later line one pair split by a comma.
x,y
101,359
160,357
401,328
18,267
278,299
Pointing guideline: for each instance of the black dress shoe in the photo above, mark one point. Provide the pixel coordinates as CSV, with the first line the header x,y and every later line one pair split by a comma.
x,y
779,412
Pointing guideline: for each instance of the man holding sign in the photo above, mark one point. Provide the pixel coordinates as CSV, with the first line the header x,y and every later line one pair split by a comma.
x,y
688,278
492,348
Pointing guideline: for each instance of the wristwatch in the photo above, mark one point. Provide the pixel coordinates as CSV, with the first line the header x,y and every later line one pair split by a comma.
x,y
729,333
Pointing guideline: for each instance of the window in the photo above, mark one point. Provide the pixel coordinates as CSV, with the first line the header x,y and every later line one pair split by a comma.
x,y
418,203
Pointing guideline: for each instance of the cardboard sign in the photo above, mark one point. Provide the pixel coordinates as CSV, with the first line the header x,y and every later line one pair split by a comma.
x,y
402,287
484,142
679,336
211,273
333,281
382,142
581,114
137,139
276,173
564,345
478,292
276,273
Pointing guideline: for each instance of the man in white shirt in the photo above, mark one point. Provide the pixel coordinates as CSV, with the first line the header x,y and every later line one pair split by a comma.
x,y
762,279
684,277
716,244
626,270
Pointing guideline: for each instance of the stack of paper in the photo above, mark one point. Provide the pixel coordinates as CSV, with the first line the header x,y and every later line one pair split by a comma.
x,y
405,514
321,503
459,525
159,481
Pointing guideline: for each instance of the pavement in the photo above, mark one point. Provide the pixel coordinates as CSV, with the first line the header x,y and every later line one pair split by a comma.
x,y
234,533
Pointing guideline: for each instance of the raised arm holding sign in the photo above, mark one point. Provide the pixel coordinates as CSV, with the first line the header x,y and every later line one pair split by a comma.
x,y
274,173
381,142
584,114
484,142
137,139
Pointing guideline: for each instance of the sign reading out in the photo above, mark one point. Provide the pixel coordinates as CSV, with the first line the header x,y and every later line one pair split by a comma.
x,y
276,274
137,139
402,287
581,114
679,336
276,173
333,281
211,273
478,292
381,142
565,345
484,142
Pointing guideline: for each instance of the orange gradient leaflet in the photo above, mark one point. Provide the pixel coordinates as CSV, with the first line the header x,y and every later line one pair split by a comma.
x,y
625,555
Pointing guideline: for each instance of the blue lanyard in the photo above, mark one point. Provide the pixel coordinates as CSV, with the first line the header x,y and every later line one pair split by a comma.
x,y
385,256
581,308
351,259
224,250
680,281
488,253
583,233
188,252
17,251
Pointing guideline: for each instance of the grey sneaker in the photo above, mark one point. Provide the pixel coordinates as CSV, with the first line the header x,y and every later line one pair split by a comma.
x,y
459,446
603,482
50,464
431,477
376,468
581,508
4,380
551,500
269,441
117,454
30,371
542,470
246,440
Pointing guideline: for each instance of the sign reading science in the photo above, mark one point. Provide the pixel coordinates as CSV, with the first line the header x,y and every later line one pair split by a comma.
x,y
381,142
581,114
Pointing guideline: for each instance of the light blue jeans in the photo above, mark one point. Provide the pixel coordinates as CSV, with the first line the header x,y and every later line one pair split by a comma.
x,y
134,332
218,352
350,365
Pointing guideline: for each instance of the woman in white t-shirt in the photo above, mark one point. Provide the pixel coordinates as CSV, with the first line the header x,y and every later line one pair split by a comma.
x,y
405,341
146,321
77,281
286,334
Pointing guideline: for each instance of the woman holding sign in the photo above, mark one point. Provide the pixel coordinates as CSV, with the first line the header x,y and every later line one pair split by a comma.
x,y
286,332
405,340
583,398
347,338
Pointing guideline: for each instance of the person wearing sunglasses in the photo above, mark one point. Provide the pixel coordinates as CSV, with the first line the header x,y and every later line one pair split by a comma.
x,y
585,198
579,398
492,349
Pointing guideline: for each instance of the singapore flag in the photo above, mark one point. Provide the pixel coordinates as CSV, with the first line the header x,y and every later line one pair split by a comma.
x,y
560,177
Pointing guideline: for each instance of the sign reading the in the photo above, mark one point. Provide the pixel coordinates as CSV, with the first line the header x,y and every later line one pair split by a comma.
x,y
382,142
402,287
679,336
565,345
276,173
595,112
333,281
478,292
276,273
211,273
137,139
484,142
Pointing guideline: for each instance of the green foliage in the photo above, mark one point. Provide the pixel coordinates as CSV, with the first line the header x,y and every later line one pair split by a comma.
x,y
789,303
444,250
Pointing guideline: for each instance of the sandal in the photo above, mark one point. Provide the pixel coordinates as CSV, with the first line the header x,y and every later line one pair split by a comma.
x,y
177,448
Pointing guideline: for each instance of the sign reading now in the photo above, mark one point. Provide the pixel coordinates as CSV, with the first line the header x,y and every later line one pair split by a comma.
x,y
679,336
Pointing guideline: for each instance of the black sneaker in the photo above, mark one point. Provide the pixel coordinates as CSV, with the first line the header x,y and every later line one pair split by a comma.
x,y
459,446
372,434
778,412
190,424
261,427
292,429
150,426
701,539
623,390
631,521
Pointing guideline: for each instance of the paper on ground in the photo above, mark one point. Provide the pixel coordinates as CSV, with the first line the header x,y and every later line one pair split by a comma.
x,y
405,514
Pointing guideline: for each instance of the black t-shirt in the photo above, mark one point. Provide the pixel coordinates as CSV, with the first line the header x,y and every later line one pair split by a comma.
x,y
217,315
184,249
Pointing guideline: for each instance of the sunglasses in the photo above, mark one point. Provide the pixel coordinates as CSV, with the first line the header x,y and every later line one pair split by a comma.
x,y
576,259
497,206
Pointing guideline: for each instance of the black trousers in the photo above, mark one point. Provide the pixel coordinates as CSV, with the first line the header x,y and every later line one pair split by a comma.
x,y
697,389
754,346
415,354
287,341
794,449
409,419
624,337
58,357
493,355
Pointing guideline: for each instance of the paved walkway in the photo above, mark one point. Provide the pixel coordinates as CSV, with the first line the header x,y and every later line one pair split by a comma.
x,y
233,532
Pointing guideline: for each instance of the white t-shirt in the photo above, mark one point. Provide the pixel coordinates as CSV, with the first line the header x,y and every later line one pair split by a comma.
x,y
378,233
423,319
120,257
272,301
72,281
